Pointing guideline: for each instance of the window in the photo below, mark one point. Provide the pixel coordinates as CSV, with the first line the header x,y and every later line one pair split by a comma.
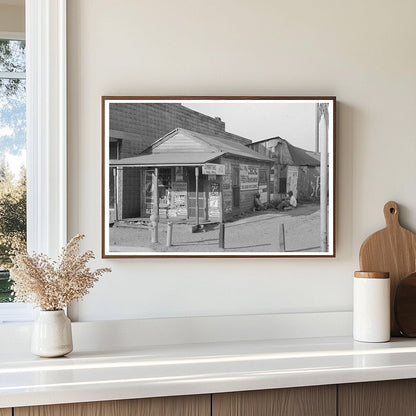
x,y
46,135
262,176
282,185
114,150
235,180
12,155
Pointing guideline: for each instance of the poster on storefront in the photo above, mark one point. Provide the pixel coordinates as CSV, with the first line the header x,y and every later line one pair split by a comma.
x,y
214,200
249,177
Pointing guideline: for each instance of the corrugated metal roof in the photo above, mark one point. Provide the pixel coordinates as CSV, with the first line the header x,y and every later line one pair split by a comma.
x,y
300,157
168,159
228,146
315,155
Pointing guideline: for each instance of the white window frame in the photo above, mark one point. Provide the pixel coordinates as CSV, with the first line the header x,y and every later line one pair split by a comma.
x,y
46,133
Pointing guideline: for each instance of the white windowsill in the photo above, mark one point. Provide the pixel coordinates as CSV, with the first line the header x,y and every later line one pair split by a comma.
x,y
16,313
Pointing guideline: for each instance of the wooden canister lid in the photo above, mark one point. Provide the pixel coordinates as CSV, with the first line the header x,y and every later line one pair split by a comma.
x,y
372,275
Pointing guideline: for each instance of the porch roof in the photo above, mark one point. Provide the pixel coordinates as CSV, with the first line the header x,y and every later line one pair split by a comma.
x,y
168,159
183,147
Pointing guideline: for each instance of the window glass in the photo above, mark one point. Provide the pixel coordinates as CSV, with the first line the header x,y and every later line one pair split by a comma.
x,y
12,156
282,185
263,176
12,56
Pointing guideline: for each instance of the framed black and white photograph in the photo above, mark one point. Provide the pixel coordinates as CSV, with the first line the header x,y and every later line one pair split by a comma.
x,y
218,176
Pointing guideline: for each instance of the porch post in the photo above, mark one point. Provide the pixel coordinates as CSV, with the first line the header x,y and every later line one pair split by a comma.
x,y
154,218
221,202
196,195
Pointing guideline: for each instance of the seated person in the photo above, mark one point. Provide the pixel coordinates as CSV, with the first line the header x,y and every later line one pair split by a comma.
x,y
290,201
258,205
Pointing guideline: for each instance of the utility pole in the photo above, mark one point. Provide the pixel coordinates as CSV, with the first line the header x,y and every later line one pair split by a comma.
x,y
323,141
154,218
115,192
281,241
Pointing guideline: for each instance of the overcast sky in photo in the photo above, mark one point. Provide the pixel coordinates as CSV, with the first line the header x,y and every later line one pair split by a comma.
x,y
293,121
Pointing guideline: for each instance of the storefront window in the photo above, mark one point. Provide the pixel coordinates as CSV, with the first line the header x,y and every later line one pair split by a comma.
x,y
165,185
262,176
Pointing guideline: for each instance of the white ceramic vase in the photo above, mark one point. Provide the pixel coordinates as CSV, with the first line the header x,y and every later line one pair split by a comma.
x,y
52,334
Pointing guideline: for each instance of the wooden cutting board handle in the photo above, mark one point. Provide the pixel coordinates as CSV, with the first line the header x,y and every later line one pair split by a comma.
x,y
391,214
393,250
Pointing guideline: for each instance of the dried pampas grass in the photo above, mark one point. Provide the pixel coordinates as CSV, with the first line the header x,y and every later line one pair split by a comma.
x,y
53,285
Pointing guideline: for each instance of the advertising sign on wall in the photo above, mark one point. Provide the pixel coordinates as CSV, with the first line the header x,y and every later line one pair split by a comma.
x,y
227,194
213,169
179,200
214,200
249,177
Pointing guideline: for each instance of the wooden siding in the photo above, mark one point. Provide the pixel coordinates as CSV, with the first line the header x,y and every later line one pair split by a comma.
x,y
247,200
180,143
246,196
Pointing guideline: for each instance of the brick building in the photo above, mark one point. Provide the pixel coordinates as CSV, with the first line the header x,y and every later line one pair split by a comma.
x,y
136,126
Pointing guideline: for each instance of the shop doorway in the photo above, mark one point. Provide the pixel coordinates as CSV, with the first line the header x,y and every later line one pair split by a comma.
x,y
202,197
235,183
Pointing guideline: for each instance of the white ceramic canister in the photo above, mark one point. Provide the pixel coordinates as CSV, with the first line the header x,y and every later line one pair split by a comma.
x,y
371,314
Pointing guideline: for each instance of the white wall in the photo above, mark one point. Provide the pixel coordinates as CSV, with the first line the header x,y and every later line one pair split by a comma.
x,y
361,51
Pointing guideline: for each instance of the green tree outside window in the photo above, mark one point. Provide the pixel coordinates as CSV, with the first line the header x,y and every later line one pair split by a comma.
x,y
12,148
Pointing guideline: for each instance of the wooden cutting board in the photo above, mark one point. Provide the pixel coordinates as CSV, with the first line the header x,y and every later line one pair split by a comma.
x,y
393,250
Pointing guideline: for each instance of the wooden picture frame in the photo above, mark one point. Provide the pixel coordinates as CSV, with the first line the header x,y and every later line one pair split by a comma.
x,y
218,176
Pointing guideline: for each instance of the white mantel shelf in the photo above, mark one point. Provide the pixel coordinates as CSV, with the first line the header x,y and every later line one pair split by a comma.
x,y
151,371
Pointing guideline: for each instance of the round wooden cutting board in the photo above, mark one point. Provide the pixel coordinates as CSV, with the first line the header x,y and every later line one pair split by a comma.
x,y
405,306
393,250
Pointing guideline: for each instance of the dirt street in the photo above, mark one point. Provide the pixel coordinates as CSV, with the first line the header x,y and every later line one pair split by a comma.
x,y
256,232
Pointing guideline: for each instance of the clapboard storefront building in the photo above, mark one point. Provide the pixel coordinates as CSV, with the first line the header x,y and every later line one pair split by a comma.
x,y
294,169
224,174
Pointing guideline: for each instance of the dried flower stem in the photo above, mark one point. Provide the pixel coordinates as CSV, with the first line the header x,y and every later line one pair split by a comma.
x,y
53,285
